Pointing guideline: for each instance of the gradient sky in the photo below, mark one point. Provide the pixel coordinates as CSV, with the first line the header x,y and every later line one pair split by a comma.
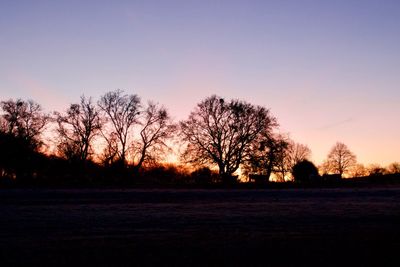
x,y
328,70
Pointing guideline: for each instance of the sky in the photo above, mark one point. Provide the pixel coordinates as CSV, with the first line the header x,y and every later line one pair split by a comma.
x,y
328,70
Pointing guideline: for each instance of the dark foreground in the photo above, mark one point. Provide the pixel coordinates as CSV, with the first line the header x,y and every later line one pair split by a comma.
x,y
290,227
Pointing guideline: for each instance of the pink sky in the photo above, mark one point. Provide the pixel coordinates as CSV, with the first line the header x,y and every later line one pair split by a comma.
x,y
328,70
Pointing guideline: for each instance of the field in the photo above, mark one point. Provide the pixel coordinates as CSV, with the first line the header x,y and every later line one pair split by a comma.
x,y
281,227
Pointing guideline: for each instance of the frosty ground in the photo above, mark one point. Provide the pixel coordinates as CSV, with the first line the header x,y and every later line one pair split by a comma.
x,y
192,227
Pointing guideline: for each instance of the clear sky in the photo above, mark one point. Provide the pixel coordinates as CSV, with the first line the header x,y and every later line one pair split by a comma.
x,y
328,70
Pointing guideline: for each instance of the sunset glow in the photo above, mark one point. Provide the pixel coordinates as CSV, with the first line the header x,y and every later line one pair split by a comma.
x,y
328,70
200,133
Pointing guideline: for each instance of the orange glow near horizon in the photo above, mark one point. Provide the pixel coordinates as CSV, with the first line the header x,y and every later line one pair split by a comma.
x,y
328,71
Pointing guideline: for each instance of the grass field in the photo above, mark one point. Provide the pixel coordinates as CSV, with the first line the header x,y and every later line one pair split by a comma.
x,y
285,227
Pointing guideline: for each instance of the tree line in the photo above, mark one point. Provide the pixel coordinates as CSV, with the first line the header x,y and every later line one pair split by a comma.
x,y
121,140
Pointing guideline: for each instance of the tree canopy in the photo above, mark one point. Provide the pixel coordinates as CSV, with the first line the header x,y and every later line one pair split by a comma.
x,y
340,159
220,132
124,137
304,170
24,119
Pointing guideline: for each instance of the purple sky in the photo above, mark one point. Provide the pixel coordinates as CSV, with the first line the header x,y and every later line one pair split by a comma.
x,y
328,70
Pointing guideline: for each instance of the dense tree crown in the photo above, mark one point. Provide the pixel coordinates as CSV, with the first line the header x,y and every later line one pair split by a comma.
x,y
304,171
220,132
22,124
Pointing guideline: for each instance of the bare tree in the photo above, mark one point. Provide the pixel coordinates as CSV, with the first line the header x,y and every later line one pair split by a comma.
x,y
292,155
358,170
77,128
121,112
298,152
156,128
25,120
394,168
340,159
283,165
220,133
289,154
376,170
110,151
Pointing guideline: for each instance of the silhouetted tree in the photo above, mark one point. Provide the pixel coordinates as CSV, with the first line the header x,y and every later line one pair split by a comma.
x,y
340,159
77,129
22,123
275,154
358,170
297,152
110,152
267,155
376,170
394,168
25,120
10,154
156,128
304,171
282,166
289,155
219,132
121,112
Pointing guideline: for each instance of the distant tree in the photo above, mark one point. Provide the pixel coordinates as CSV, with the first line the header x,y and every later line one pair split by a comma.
x,y
156,128
221,133
298,152
268,155
290,154
282,165
340,159
77,128
276,154
304,170
25,120
325,167
376,170
394,168
121,112
359,170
